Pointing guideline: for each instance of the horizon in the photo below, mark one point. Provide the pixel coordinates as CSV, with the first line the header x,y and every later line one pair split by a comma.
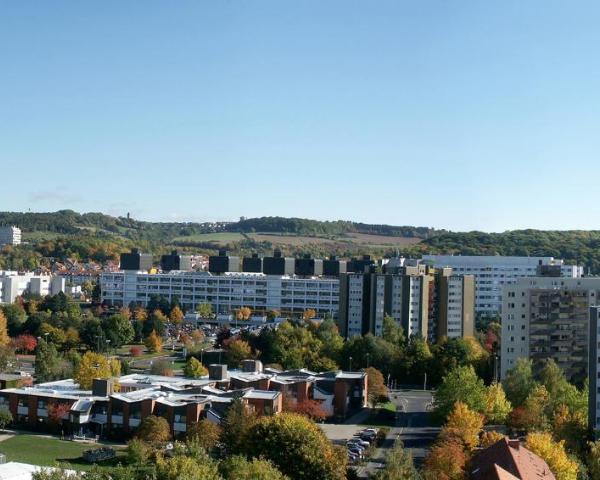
x,y
468,116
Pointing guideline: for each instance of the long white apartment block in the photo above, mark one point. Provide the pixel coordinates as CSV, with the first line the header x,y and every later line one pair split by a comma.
x,y
14,284
492,273
10,235
224,292
548,317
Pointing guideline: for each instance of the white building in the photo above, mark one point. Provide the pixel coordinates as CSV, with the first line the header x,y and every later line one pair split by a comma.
x,y
548,317
225,292
14,284
10,235
492,273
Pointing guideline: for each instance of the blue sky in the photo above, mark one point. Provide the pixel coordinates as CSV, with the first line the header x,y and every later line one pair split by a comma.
x,y
452,114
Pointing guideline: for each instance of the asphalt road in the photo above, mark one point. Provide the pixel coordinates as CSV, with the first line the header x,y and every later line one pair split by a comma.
x,y
412,427
416,431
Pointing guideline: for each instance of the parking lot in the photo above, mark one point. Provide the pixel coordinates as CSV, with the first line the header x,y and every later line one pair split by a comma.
x,y
338,433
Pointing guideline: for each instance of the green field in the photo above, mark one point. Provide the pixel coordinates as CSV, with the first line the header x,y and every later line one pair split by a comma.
x,y
222,237
40,235
39,450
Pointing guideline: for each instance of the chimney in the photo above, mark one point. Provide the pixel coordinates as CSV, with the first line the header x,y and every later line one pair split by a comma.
x,y
217,372
102,387
514,443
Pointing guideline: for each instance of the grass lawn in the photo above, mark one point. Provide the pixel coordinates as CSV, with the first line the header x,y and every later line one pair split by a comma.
x,y
220,237
382,416
38,450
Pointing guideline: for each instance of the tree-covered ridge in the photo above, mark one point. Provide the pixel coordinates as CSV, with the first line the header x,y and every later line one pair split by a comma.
x,y
304,226
574,246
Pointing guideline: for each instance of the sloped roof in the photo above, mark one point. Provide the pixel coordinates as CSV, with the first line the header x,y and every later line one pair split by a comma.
x,y
514,460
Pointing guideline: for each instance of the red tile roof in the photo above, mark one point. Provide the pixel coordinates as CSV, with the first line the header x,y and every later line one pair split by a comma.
x,y
507,460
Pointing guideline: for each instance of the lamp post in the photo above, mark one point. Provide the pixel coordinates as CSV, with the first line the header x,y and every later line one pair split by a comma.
x,y
349,364
367,359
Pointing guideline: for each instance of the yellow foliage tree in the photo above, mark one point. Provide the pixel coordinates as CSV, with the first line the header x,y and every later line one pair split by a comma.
x,y
4,338
176,315
115,367
463,425
153,342
497,407
489,438
140,314
92,365
309,314
542,444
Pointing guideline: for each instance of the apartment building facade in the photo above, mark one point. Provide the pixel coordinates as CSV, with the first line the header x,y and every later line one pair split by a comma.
x,y
548,317
226,292
10,235
426,302
14,284
594,371
492,273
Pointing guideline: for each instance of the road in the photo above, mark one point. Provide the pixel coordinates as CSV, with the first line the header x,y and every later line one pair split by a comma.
x,y
416,431
412,427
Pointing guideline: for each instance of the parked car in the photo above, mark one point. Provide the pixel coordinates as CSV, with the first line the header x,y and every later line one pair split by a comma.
x,y
358,441
356,451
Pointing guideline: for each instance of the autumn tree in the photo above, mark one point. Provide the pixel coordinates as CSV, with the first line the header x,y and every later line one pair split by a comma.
x,y
154,430
309,408
176,315
297,446
243,313
58,411
309,314
490,437
497,407
593,459
194,369
237,350
445,461
4,338
25,343
140,314
570,427
542,444
237,467
153,342
537,405
204,432
377,391
463,426
92,365
460,385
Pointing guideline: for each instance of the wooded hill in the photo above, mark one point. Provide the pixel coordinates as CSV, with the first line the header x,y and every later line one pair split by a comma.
x,y
96,236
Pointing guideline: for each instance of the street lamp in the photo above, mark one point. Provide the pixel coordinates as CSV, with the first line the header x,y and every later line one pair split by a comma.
x,y
349,364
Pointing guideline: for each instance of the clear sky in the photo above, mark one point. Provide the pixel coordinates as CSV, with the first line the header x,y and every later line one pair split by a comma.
x,y
452,114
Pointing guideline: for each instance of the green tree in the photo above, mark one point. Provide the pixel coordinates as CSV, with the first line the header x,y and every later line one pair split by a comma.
x,y
461,385
138,451
6,417
205,310
182,467
118,329
398,465
519,382
206,433
297,446
47,362
537,405
236,424
15,318
154,430
237,467
194,369
393,332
